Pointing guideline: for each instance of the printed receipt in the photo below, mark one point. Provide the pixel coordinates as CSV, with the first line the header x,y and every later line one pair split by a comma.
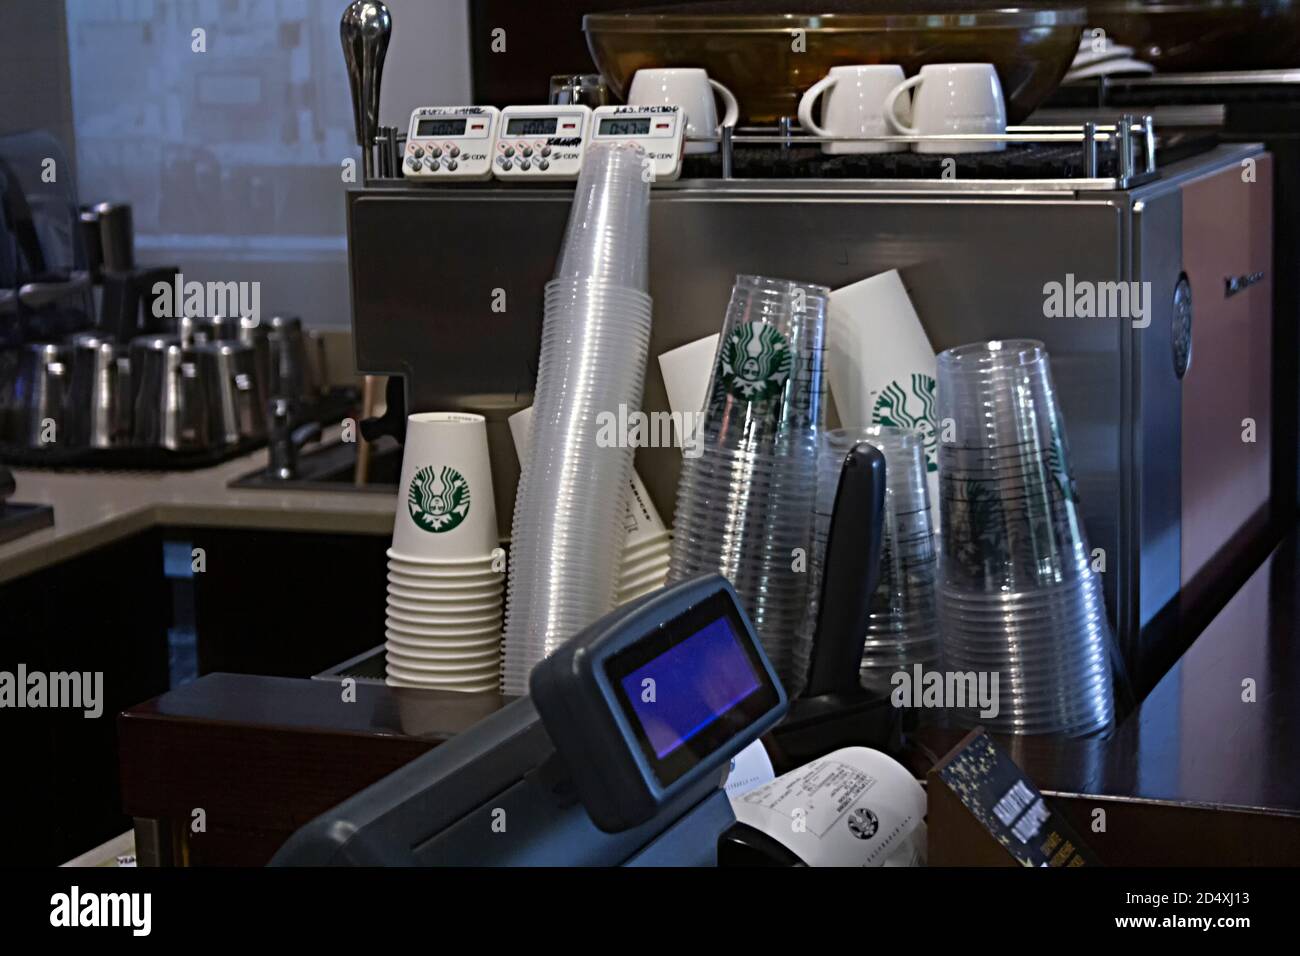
x,y
854,807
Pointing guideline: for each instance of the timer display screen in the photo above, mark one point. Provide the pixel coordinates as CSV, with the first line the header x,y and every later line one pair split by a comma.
x,y
625,127
531,126
440,127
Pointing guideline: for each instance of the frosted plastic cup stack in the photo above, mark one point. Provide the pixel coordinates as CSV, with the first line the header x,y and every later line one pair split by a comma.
x,y
568,534
1016,590
445,580
744,506
903,623
646,549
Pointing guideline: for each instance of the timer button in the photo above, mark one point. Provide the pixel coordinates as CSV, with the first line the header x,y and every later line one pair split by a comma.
x,y
546,151
510,150
527,151
525,164
543,165
413,163
452,165
454,151
505,163
435,152
417,152
430,163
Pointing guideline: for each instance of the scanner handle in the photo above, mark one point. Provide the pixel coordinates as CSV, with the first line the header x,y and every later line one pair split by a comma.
x,y
850,571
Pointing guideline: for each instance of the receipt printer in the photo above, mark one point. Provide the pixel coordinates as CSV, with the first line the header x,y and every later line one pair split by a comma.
x,y
617,755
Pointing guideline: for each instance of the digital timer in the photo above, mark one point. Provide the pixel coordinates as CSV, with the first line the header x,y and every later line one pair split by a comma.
x,y
541,142
450,142
658,130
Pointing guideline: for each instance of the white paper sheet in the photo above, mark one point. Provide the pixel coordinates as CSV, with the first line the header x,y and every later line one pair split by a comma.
x,y
853,807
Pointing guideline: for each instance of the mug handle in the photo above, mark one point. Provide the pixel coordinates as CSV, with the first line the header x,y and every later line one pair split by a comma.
x,y
891,118
808,100
729,100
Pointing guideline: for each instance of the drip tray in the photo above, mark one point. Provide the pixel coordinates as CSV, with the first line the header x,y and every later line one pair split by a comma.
x,y
17,520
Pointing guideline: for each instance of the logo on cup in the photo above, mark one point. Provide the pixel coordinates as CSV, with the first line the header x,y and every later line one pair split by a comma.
x,y
438,498
910,404
1056,465
863,824
756,362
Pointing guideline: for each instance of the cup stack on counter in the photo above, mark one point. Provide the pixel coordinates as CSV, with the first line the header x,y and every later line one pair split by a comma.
x,y
1017,592
568,535
903,623
744,505
644,564
445,571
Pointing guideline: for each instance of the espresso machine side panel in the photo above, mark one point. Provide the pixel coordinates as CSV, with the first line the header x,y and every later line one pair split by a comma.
x,y
1227,392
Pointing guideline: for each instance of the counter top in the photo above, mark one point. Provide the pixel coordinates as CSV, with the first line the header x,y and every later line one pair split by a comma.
x,y
1198,775
95,508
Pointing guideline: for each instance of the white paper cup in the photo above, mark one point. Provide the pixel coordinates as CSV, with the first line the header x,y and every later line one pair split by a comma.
x,y
484,669
472,608
474,595
653,545
478,563
489,653
880,365
442,585
412,614
434,645
445,508
400,677
652,579
450,632
634,569
687,371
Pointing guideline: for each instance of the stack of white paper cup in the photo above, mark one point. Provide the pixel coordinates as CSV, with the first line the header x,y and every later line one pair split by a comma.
x,y
567,537
445,573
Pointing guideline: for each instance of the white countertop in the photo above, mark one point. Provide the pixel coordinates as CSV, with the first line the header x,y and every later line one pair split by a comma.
x,y
95,508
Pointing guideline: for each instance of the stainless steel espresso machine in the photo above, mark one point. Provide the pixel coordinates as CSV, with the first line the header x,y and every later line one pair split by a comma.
x,y
1167,399
1155,404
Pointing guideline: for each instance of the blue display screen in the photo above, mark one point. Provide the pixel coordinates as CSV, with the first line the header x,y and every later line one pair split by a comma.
x,y
681,692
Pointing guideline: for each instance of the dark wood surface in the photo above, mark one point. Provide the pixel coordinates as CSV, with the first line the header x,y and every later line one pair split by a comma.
x,y
261,756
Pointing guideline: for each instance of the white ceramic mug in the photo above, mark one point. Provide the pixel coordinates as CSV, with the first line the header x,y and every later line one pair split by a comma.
x,y
853,103
952,98
692,90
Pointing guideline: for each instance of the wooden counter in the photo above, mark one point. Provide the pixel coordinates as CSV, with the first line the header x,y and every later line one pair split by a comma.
x,y
1196,775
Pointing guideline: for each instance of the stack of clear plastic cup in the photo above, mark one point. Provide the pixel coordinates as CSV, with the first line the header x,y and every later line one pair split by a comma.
x,y
568,532
903,622
1017,593
744,505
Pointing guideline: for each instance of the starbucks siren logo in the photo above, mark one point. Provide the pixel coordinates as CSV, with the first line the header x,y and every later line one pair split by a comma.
x,y
755,362
438,498
910,404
